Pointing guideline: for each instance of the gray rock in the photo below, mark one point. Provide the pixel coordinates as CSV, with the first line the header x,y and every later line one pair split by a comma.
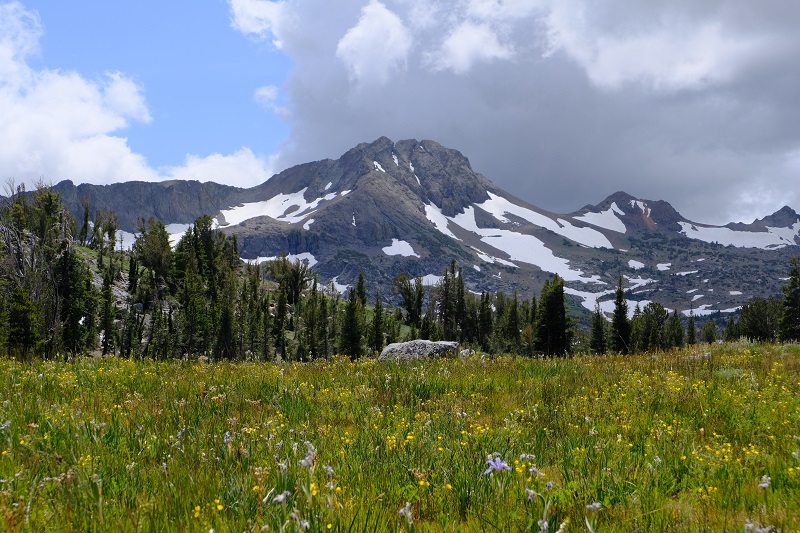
x,y
418,349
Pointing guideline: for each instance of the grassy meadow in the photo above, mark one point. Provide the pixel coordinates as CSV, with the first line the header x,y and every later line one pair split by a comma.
x,y
704,439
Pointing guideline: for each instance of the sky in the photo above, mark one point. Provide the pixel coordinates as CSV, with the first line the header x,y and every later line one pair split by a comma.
x,y
559,102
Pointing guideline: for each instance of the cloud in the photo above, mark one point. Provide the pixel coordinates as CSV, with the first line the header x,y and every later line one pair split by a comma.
x,y
262,18
466,45
242,167
58,125
376,47
561,102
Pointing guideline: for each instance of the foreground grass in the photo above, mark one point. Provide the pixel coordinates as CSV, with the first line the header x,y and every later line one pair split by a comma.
x,y
687,441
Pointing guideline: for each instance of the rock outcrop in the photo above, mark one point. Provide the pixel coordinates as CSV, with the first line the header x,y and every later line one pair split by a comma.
x,y
418,349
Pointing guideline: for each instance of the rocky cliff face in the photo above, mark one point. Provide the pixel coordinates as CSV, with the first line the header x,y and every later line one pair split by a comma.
x,y
413,206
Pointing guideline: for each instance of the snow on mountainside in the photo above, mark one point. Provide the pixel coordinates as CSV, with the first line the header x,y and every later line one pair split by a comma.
x,y
413,206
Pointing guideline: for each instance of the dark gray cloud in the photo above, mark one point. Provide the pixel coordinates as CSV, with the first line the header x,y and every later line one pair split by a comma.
x,y
560,102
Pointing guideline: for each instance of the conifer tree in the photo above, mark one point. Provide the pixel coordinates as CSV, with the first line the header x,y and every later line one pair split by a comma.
x,y
108,315
708,331
352,327
361,289
376,332
23,333
553,336
620,325
598,340
674,332
691,329
790,313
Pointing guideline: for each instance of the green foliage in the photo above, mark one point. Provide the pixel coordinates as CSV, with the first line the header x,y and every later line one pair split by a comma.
x,y
553,331
620,337
598,339
790,315
759,319
708,332
671,442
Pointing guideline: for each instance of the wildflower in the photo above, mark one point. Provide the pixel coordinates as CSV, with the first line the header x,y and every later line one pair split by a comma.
x,y
179,436
764,485
531,494
281,498
407,513
328,470
549,486
495,464
307,460
594,507
227,438
543,526
5,425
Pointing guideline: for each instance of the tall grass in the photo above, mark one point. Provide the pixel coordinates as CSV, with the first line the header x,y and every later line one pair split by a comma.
x,y
695,440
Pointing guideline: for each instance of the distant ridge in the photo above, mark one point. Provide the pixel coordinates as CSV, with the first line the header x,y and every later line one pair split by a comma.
x,y
413,206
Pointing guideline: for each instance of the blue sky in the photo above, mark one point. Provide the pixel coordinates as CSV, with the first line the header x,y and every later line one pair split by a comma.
x,y
198,74
559,102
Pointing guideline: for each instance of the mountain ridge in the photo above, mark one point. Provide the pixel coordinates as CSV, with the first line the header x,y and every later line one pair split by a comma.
x,y
413,206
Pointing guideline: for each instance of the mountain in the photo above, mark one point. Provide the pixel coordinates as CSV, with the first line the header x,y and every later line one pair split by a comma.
x,y
413,206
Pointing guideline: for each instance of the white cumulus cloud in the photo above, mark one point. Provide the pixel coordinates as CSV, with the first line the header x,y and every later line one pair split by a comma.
x,y
57,124
468,44
376,47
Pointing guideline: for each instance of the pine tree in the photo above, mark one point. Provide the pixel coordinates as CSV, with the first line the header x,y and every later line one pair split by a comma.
x,y
598,340
352,327
23,333
108,315
361,289
553,334
790,315
708,331
512,325
376,332
691,330
674,331
620,325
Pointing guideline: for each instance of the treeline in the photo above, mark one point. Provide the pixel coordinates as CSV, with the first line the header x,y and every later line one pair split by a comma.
x,y
66,289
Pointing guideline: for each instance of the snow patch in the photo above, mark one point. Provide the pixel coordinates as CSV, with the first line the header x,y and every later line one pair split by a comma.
x,y
434,214
520,247
396,162
491,259
639,282
354,220
642,206
606,219
499,207
345,193
290,208
476,267
431,279
686,273
126,240
771,239
411,166
690,291
418,182
664,266
735,293
176,231
305,257
379,167
341,289
399,247
328,186
697,297
307,225
636,265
